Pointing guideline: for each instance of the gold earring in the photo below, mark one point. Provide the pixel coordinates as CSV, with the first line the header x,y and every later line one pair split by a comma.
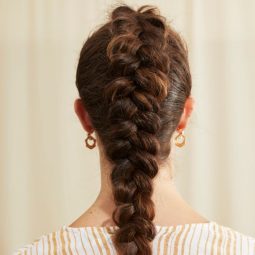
x,y
180,139
91,138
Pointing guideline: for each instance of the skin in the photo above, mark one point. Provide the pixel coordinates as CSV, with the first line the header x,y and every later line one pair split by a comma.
x,y
170,207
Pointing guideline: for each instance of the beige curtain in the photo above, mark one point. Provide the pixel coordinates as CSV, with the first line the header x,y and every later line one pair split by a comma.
x,y
48,176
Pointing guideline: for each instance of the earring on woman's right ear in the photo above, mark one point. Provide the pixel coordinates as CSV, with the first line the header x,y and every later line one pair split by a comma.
x,y
180,138
90,138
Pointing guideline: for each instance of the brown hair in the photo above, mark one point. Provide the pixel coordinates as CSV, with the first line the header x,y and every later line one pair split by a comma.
x,y
133,78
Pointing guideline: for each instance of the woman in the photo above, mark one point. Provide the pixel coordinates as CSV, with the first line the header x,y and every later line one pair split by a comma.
x,y
134,83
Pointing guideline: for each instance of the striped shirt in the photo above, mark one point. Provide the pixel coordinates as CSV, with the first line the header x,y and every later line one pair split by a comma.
x,y
208,238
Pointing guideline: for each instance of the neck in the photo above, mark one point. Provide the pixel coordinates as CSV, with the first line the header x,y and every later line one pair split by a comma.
x,y
170,207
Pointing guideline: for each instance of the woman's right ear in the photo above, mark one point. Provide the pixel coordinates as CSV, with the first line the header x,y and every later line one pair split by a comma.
x,y
83,115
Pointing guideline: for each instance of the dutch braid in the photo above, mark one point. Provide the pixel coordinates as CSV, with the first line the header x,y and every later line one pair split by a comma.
x,y
134,98
134,84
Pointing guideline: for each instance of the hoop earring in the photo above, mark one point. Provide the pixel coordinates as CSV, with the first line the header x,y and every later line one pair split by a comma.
x,y
91,138
180,139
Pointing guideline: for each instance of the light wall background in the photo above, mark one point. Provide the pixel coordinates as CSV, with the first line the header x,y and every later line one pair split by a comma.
x,y
48,177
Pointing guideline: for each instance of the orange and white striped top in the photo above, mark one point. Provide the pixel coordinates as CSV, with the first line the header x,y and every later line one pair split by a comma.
x,y
188,239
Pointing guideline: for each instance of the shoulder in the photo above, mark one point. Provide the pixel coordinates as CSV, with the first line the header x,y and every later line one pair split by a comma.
x,y
66,240
48,243
228,240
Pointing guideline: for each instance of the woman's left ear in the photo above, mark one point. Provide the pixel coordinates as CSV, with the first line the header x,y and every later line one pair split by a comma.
x,y
188,108
83,115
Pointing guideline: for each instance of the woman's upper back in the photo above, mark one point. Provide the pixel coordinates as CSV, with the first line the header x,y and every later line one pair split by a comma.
x,y
197,238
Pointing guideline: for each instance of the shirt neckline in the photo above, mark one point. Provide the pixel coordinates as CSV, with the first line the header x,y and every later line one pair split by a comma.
x,y
158,227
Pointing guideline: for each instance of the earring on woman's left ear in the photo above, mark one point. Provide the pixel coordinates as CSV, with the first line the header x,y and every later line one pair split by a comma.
x,y
180,139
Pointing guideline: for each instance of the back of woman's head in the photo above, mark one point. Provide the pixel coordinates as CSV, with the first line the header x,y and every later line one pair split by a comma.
x,y
133,78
